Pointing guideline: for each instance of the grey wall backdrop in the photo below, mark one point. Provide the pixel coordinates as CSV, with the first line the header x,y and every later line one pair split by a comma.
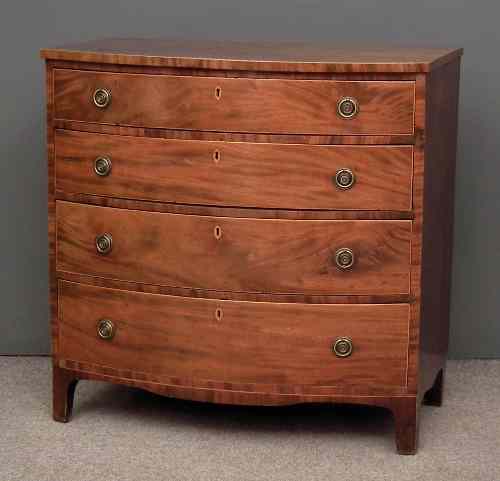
x,y
26,26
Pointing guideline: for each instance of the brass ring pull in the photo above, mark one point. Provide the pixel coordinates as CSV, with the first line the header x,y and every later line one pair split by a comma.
x,y
347,107
104,243
344,258
106,329
342,347
344,178
102,166
102,98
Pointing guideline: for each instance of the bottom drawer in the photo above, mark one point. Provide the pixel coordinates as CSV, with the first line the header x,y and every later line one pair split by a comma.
x,y
234,341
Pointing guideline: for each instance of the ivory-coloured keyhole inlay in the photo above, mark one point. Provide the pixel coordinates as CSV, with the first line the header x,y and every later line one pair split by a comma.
x,y
218,232
218,93
217,156
218,314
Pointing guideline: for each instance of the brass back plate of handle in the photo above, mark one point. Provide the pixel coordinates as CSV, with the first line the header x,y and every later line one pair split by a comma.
x,y
347,107
106,329
101,98
342,347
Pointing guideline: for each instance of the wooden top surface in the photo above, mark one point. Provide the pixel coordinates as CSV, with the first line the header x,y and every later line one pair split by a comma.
x,y
258,56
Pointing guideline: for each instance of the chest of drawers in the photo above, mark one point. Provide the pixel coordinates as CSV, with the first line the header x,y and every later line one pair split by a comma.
x,y
252,224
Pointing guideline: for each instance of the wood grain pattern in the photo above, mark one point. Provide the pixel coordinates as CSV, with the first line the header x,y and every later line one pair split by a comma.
x,y
229,73
441,119
251,342
252,255
235,173
406,414
402,406
223,394
224,211
405,139
416,235
51,206
236,296
245,105
274,257
260,56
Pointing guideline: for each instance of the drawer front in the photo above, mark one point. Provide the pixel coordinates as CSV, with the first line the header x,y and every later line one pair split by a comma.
x,y
234,341
235,173
235,254
236,104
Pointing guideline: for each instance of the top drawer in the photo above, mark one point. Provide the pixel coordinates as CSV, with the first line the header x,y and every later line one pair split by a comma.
x,y
237,104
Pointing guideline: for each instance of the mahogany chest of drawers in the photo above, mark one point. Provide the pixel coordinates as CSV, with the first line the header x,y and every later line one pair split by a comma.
x,y
252,224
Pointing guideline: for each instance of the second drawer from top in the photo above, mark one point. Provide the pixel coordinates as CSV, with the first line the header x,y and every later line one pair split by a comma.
x,y
263,175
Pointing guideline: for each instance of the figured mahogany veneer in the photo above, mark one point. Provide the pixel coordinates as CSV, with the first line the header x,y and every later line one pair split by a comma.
x,y
233,254
264,175
235,104
268,57
287,345
222,283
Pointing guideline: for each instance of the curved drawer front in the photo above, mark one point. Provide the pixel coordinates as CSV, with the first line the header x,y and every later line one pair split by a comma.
x,y
235,104
235,173
235,254
234,341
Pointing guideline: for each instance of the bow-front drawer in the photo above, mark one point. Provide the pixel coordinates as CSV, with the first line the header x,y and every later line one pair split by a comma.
x,y
239,342
322,107
235,173
235,254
